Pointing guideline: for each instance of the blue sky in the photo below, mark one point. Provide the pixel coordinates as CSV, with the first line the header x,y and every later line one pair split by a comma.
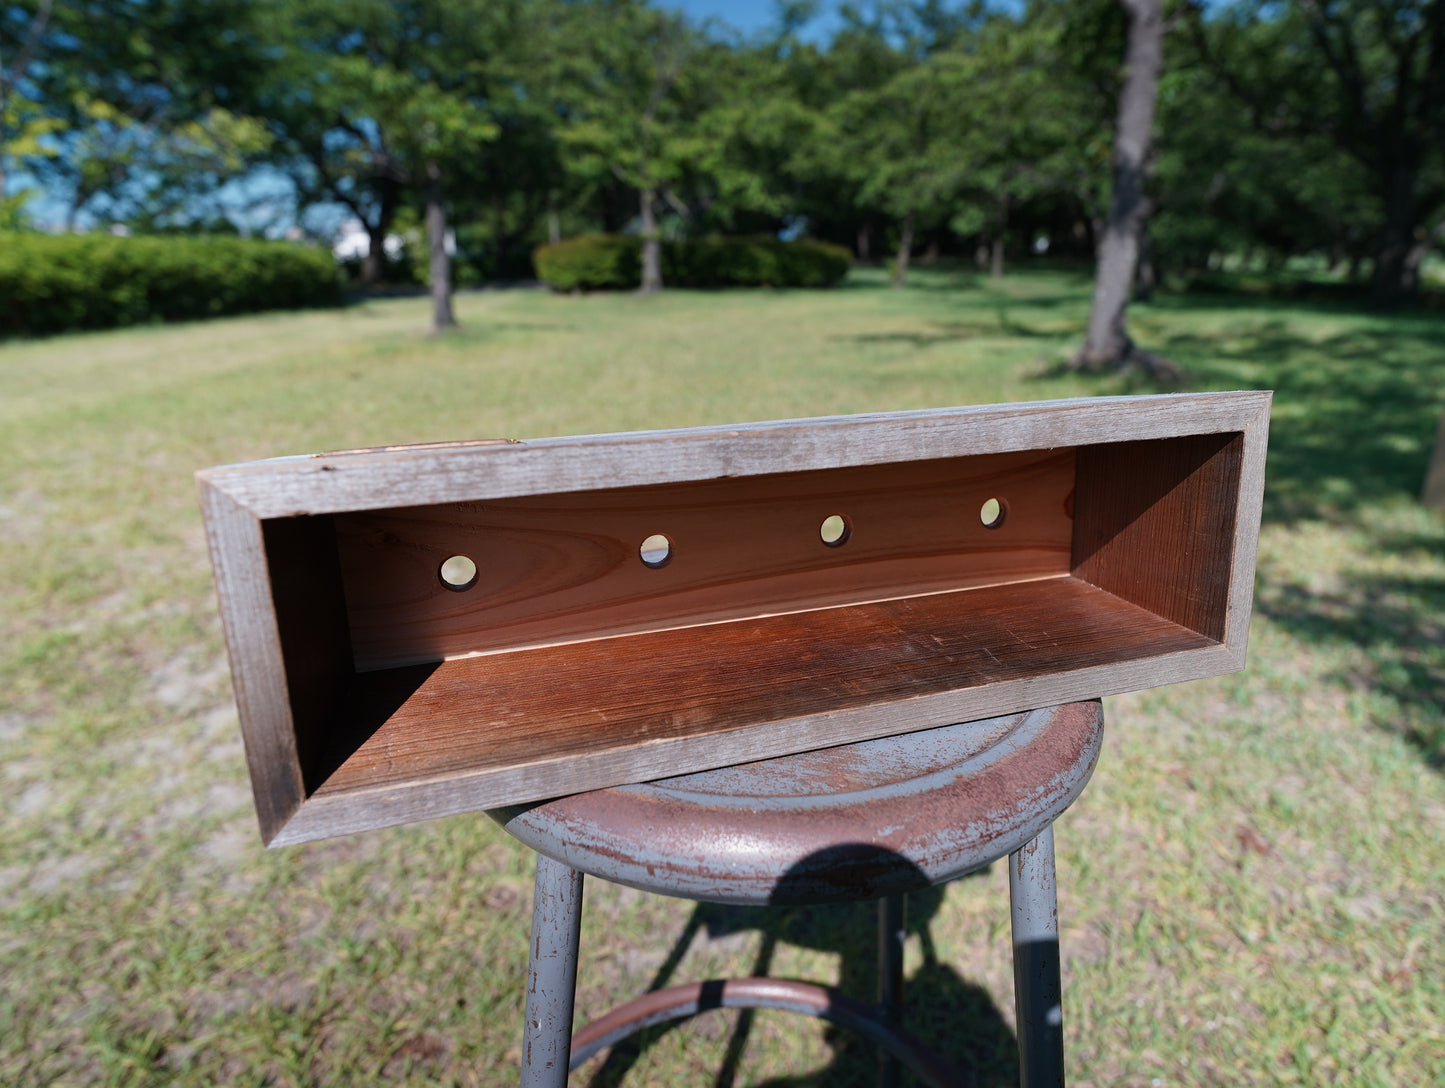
x,y
750,15
743,14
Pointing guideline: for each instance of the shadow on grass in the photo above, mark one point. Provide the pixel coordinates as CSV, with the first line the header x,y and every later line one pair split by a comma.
x,y
1399,623
944,1011
1353,425
947,332
1355,413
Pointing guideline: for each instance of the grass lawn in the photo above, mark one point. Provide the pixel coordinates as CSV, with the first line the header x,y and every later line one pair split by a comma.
x,y
1252,889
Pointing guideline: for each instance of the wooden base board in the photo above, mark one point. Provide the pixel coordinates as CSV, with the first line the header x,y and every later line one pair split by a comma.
x,y
551,704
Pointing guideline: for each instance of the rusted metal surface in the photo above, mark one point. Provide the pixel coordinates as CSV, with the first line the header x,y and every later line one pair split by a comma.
x,y
1038,991
680,1002
855,822
551,974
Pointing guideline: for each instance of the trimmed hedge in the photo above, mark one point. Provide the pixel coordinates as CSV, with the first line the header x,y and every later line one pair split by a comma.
x,y
602,261
590,262
55,283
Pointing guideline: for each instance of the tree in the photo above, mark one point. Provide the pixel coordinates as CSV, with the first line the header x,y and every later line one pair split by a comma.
x,y
1028,132
876,146
22,123
376,99
635,92
1227,189
893,142
131,107
1107,342
1367,75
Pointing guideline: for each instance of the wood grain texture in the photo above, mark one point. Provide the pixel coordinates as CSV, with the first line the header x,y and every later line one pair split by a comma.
x,y
477,472
756,639
1249,505
349,811
557,568
553,702
1156,524
344,805
258,671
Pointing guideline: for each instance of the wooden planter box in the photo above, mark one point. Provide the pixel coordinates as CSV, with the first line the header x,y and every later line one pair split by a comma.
x,y
819,581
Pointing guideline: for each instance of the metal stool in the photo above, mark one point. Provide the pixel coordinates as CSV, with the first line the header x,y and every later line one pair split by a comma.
x,y
871,820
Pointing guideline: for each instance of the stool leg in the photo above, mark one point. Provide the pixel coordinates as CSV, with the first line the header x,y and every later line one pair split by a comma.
x,y
551,974
891,932
1038,992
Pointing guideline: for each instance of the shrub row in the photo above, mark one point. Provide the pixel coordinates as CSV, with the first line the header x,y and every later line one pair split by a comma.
x,y
601,261
52,283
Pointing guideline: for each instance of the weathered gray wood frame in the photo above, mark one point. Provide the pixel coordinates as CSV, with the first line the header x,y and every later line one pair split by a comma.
x,y
246,505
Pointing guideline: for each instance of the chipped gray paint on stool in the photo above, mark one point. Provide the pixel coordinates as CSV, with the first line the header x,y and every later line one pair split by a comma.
x,y
862,821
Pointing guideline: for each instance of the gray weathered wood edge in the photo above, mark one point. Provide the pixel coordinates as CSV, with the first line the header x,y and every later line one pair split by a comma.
x,y
253,641
334,483
1248,509
325,816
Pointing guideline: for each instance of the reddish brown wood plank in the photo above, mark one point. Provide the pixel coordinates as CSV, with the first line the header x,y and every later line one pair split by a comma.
x,y
527,706
1156,524
559,567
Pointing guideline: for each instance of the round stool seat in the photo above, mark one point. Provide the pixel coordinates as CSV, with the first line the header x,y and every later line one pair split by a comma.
x,y
858,821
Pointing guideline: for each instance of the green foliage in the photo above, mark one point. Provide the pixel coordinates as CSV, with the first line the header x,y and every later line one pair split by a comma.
x,y
94,281
754,262
636,92
601,261
590,262
1354,89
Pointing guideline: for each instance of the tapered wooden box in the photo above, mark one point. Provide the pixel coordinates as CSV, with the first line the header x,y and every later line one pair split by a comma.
x,y
426,630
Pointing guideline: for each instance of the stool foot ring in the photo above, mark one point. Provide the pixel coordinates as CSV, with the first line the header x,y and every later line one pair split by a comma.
x,y
681,1002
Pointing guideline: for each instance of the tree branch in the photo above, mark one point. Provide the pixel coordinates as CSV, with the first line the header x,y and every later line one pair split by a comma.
x,y
1346,65
38,22
1431,114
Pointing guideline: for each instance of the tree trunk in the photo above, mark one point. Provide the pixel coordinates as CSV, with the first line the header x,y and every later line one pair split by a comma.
x,y
1415,256
996,248
499,238
905,247
1395,280
554,228
651,247
1146,276
373,268
441,261
1107,343
865,238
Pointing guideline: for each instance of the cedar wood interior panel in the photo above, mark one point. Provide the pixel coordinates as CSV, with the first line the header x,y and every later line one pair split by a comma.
x,y
766,636
1108,554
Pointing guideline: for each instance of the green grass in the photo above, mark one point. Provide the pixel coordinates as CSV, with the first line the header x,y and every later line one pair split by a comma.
x,y
1252,888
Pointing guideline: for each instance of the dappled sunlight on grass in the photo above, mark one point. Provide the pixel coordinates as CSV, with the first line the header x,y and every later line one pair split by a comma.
x,y
1251,886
